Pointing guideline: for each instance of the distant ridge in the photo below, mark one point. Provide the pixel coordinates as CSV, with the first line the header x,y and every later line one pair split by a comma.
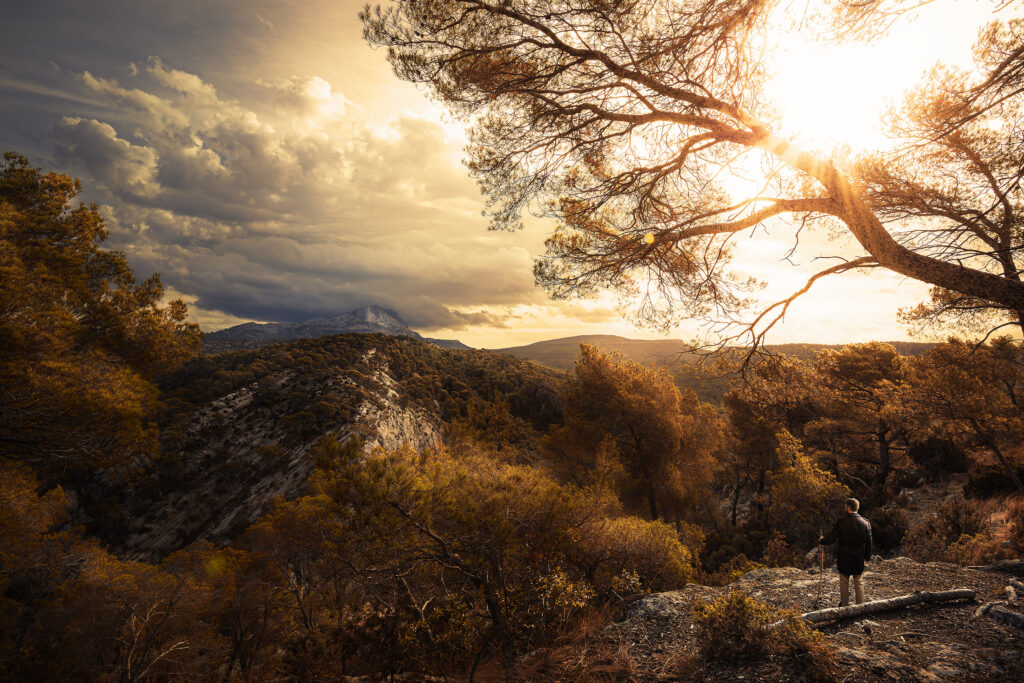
x,y
368,319
561,353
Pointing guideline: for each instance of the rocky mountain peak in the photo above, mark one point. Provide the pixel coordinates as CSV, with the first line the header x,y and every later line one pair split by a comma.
x,y
373,319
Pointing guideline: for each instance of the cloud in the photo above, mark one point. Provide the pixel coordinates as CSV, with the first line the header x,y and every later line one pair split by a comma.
x,y
123,168
292,211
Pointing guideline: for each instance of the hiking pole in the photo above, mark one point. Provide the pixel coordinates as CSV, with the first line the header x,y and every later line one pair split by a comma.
x,y
821,570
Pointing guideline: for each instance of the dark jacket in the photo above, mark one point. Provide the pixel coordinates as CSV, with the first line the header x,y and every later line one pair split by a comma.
x,y
853,535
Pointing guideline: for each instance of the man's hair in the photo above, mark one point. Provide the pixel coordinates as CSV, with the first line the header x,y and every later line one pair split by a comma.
x,y
852,504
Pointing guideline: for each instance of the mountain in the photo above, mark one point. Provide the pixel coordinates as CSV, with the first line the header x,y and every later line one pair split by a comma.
x,y
368,319
239,429
561,353
450,344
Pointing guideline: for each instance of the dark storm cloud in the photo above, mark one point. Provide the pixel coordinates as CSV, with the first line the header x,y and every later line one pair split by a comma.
x,y
270,197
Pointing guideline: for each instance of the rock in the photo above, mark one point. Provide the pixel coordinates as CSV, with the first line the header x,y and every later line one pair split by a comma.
x,y
942,669
250,456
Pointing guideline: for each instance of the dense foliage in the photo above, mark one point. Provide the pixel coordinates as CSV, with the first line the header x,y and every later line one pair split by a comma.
x,y
80,340
552,502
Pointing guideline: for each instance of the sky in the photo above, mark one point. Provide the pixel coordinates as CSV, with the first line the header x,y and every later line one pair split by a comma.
x,y
270,166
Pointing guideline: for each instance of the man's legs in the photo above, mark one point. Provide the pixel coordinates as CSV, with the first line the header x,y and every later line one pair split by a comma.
x,y
844,589
858,588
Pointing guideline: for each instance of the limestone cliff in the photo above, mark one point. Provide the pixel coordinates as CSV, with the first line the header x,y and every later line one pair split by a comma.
x,y
248,454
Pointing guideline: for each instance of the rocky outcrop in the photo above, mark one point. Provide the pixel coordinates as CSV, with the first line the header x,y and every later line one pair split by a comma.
x,y
921,643
224,468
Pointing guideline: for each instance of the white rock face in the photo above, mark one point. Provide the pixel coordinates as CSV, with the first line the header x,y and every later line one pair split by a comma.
x,y
366,319
392,424
250,456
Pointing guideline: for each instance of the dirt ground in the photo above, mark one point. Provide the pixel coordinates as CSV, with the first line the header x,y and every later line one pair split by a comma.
x,y
655,642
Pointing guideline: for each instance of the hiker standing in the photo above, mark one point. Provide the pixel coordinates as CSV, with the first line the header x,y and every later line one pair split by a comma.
x,y
853,535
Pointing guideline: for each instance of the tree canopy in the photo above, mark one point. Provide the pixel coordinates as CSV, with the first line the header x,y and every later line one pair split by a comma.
x,y
618,118
624,415
80,339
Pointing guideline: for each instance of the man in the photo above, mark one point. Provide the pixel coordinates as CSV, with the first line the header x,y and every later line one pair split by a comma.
x,y
853,534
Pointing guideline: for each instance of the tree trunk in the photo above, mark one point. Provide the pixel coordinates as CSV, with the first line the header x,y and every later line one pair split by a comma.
x,y
1011,471
877,241
1000,614
735,503
501,630
883,452
836,613
652,501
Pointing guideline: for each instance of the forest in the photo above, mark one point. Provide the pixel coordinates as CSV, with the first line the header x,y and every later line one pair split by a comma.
x,y
551,504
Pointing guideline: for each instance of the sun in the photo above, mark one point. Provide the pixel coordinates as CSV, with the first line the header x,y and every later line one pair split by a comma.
x,y
831,96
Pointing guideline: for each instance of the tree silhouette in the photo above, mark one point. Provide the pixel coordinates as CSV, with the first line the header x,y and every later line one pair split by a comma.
x,y
618,117
955,187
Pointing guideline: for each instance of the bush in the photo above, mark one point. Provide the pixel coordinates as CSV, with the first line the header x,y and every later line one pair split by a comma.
x,y
730,571
723,546
778,553
987,482
1015,516
938,457
797,640
957,532
736,627
446,545
888,528
733,627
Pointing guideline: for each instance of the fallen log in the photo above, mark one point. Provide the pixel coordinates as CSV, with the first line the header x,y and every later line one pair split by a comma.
x,y
983,610
1013,567
1005,616
837,613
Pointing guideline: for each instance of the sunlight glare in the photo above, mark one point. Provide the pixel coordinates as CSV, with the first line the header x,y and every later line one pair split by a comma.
x,y
829,96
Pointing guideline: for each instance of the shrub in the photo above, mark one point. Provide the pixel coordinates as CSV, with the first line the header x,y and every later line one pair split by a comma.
x,y
736,627
957,532
977,549
797,640
888,528
938,457
1015,517
648,550
778,553
723,545
990,481
730,571
960,517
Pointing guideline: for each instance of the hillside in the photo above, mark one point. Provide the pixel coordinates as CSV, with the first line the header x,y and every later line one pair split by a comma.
x,y
709,386
561,353
238,428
